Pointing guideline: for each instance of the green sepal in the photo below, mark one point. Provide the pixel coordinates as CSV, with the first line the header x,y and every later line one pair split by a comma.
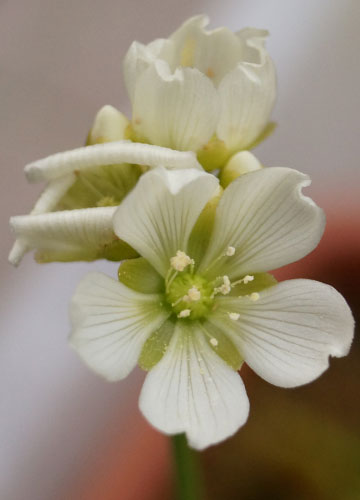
x,y
213,155
200,235
101,186
259,283
117,251
81,254
264,134
156,345
139,275
225,348
132,135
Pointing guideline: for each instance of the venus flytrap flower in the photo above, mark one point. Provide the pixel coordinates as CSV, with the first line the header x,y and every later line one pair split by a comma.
x,y
199,301
72,219
205,91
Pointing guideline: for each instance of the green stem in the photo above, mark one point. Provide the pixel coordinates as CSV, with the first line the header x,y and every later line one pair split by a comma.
x,y
188,477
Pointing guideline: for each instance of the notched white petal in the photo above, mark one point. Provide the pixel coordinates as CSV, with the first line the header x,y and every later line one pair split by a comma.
x,y
267,218
111,153
193,390
157,217
110,324
288,334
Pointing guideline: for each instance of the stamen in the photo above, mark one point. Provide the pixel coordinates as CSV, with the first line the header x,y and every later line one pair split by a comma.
x,y
225,288
214,342
180,261
234,316
230,251
169,279
185,313
244,280
254,296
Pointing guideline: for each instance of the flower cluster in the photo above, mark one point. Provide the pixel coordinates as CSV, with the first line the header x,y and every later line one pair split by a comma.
x,y
194,298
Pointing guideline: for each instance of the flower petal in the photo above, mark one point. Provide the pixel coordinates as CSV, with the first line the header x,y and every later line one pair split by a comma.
x,y
193,390
247,94
156,218
288,334
139,57
177,110
213,52
267,219
49,198
110,153
67,235
111,323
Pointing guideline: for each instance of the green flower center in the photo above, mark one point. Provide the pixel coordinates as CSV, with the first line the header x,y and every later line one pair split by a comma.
x,y
190,296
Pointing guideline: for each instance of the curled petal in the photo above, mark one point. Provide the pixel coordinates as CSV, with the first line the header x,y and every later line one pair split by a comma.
x,y
111,153
47,202
288,334
139,57
193,390
67,235
247,94
213,52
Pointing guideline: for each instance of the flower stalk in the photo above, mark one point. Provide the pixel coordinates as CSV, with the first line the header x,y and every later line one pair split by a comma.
x,y
188,477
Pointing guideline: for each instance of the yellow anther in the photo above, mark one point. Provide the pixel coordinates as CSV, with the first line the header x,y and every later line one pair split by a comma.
x,y
180,261
234,316
185,313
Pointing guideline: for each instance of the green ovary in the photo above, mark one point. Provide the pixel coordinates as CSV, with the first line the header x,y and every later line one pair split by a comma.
x,y
190,292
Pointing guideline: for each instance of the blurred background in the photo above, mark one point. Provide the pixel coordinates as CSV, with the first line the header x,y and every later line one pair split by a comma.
x,y
66,434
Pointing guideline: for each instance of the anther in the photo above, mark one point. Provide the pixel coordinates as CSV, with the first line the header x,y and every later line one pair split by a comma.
x,y
254,296
180,261
247,279
214,342
234,316
230,251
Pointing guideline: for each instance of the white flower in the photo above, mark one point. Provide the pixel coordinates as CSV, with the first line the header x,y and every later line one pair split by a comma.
x,y
181,325
72,220
199,83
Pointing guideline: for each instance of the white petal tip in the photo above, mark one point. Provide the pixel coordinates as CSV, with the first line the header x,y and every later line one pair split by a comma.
x,y
17,252
32,173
